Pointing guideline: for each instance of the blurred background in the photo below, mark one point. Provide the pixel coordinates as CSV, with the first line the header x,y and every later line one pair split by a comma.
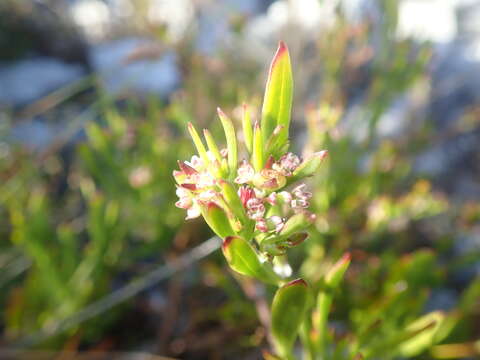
x,y
95,260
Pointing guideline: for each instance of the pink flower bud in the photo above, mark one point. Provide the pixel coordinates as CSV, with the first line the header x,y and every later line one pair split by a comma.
x,y
285,196
245,193
245,173
272,198
255,209
300,192
276,223
287,164
186,169
261,225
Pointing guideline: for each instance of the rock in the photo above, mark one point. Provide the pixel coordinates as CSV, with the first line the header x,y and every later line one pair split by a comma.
x,y
122,71
34,134
27,80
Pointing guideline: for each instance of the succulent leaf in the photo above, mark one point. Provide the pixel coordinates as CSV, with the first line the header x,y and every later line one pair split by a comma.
x,y
288,310
231,138
247,128
243,258
277,103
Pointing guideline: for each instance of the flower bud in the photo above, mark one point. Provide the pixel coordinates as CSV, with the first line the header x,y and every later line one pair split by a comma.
x,y
269,180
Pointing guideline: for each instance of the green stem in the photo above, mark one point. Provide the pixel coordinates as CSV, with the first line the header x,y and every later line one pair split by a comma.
x,y
308,346
324,303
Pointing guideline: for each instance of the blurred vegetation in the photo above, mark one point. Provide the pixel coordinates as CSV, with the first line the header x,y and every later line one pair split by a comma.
x,y
79,220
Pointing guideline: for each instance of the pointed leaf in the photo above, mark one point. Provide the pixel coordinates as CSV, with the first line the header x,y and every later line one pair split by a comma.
x,y
212,146
231,142
257,155
247,128
288,310
217,219
243,258
309,166
277,103
198,143
232,199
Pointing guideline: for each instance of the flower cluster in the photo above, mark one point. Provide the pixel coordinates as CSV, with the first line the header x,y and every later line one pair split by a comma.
x,y
261,199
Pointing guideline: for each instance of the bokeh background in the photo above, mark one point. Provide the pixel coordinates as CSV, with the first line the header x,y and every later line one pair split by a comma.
x,y
94,100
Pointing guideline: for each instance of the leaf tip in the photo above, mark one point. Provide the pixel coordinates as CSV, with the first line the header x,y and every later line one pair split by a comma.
x,y
347,257
296,282
282,51
220,112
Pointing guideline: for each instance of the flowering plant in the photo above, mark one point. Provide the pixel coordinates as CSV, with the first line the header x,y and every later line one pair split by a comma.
x,y
258,205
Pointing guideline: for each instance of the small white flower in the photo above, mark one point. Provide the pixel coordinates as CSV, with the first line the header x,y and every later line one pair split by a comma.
x,y
193,212
277,222
245,173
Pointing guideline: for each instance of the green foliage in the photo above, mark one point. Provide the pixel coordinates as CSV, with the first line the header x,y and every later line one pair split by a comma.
x,y
116,208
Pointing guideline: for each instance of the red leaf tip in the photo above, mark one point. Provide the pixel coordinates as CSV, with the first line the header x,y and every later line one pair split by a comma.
x,y
346,257
227,241
281,51
296,282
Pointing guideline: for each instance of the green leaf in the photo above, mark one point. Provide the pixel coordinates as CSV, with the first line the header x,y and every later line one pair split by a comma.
x,y
296,223
337,271
212,146
243,258
247,128
309,166
217,219
198,143
288,310
277,103
231,142
233,200
428,327
257,155
325,299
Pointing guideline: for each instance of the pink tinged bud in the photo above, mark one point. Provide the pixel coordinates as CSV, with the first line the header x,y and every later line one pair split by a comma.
x,y
224,152
276,223
245,193
270,162
261,225
272,198
289,162
269,179
285,196
255,209
191,187
300,192
186,169
245,173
